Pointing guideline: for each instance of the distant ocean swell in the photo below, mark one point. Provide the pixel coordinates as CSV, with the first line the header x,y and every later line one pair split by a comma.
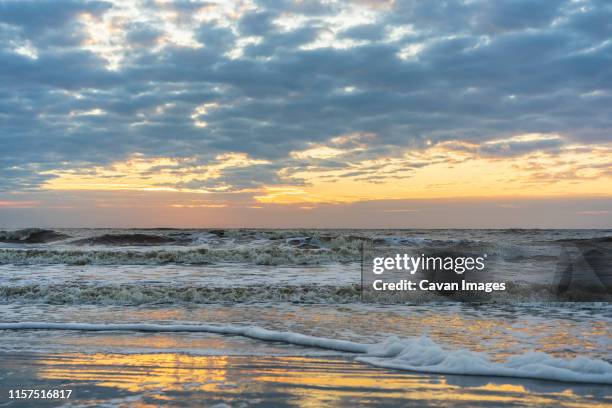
x,y
419,354
309,239
305,239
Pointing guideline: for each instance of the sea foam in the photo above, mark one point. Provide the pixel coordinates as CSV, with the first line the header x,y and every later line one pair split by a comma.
x,y
424,355
270,255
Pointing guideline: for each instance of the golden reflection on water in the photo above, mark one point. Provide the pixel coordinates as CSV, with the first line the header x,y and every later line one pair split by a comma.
x,y
305,381
138,372
148,341
455,329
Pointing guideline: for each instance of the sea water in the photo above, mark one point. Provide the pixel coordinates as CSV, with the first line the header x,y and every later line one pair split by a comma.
x,y
290,292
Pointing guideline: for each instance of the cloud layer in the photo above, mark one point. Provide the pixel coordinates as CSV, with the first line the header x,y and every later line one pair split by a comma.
x,y
361,90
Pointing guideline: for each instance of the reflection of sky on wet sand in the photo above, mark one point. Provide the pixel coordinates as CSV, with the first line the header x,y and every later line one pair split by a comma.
x,y
202,369
278,381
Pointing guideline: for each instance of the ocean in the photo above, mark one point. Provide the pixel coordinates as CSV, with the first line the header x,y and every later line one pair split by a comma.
x,y
234,317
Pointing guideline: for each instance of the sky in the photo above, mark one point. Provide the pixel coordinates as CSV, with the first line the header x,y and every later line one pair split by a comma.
x,y
306,113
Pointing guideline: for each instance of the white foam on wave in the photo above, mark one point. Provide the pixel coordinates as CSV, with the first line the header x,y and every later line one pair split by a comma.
x,y
424,355
267,255
246,331
139,294
419,354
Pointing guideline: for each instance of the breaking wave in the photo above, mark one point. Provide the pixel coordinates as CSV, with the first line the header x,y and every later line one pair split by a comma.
x,y
295,251
164,294
132,294
417,354
271,255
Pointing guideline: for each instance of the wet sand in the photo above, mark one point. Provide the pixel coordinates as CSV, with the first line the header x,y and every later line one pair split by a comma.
x,y
176,379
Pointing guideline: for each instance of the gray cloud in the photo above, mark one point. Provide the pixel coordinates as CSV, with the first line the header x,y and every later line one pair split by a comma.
x,y
365,32
480,72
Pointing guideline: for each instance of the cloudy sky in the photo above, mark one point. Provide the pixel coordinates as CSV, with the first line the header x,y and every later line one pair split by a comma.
x,y
375,113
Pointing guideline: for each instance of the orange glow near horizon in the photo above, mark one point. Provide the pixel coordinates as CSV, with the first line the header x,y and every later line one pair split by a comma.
x,y
454,174
145,174
445,170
